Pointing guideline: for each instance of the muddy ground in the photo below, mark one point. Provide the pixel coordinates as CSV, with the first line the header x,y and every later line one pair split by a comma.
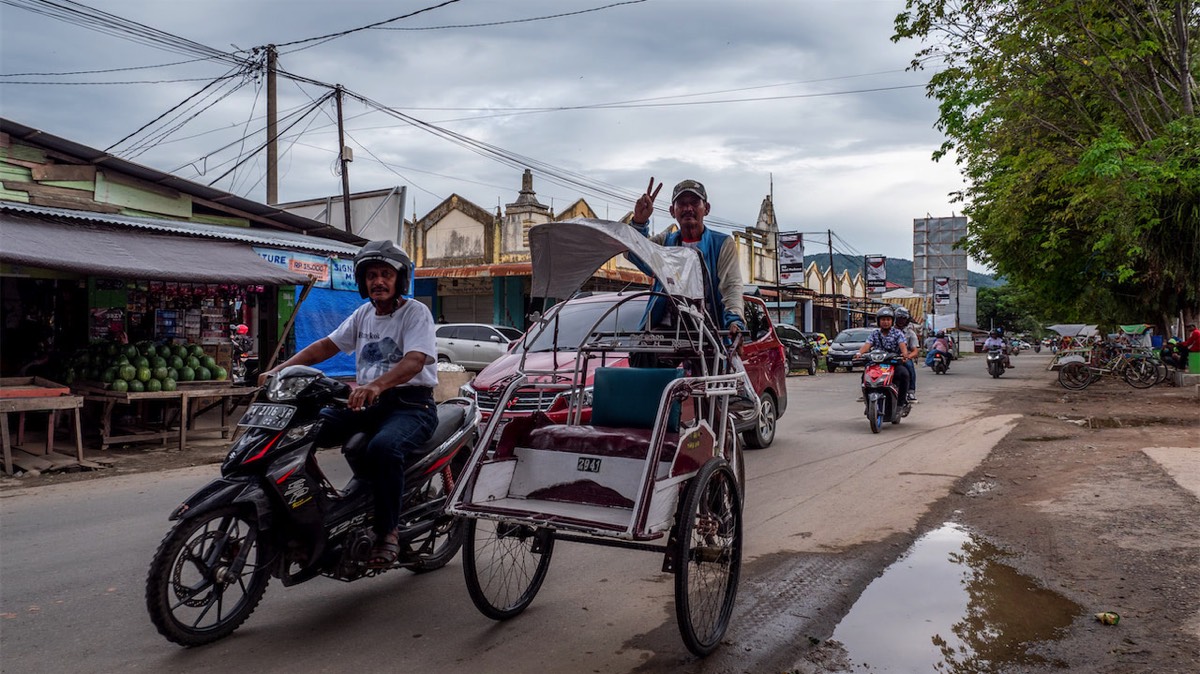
x,y
1071,501
1069,497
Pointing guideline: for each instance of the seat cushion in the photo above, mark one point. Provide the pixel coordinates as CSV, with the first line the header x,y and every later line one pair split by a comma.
x,y
627,397
629,443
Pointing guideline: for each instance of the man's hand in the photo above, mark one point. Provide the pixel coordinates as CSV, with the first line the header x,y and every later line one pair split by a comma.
x,y
262,377
364,396
644,208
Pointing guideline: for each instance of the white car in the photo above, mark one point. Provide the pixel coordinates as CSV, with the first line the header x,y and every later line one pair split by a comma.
x,y
473,345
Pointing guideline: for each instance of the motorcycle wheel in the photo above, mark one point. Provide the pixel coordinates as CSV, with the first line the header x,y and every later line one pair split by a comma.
x,y
812,367
875,416
207,577
436,548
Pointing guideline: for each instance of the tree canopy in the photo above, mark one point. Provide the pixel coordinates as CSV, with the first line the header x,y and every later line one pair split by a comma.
x,y
1074,122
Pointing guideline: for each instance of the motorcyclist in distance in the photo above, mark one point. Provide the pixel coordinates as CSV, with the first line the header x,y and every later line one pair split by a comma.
x,y
892,340
996,341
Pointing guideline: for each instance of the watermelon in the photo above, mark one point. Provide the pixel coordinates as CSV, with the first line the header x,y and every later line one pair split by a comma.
x,y
180,350
140,361
121,360
219,373
175,362
203,373
159,373
131,351
196,350
136,386
187,373
168,384
120,385
143,374
158,361
127,372
110,349
153,386
149,351
173,373
192,362
109,376
208,362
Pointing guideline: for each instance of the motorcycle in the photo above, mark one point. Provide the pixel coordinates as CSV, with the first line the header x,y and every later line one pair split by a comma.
x,y
880,391
273,513
244,367
941,362
995,362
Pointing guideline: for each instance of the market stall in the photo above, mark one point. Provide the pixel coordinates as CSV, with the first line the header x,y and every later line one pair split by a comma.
x,y
155,331
22,395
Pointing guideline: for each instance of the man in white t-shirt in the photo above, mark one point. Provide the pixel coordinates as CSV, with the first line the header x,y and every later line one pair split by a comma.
x,y
392,339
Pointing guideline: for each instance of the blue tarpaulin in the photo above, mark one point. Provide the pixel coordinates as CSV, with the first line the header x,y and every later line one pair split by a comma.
x,y
322,311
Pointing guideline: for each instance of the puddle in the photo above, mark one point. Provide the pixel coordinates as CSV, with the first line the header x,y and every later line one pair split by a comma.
x,y
951,605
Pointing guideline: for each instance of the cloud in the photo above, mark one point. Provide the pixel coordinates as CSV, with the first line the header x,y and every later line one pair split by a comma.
x,y
858,163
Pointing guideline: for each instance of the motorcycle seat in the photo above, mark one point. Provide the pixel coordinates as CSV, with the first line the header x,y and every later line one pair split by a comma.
x,y
450,419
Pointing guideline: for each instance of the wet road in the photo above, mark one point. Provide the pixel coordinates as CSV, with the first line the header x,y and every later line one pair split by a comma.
x,y
828,506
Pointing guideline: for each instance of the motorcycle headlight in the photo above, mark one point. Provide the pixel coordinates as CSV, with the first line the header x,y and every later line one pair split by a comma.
x,y
584,397
465,391
286,389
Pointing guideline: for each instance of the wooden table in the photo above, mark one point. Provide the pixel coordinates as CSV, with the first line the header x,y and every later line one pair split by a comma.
x,y
186,395
34,394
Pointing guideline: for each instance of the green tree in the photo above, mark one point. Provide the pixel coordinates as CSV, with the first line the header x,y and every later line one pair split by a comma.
x,y
1075,125
1008,307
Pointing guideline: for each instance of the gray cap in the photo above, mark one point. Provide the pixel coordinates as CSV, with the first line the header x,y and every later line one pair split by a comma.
x,y
693,186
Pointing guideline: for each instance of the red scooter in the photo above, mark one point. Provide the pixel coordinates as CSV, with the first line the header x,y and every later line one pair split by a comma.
x,y
880,390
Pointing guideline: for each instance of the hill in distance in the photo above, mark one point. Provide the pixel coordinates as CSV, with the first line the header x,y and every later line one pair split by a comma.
x,y
899,270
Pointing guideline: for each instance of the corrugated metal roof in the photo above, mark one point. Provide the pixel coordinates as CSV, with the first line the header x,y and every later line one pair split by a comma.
x,y
268,213
256,237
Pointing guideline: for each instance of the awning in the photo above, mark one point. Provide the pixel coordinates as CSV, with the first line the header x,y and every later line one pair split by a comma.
x,y
98,250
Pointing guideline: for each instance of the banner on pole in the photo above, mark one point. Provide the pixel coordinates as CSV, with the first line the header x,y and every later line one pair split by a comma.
x,y
791,259
876,272
941,290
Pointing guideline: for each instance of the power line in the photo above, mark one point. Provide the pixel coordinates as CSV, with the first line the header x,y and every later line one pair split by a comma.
x,y
80,84
206,87
510,21
107,70
334,36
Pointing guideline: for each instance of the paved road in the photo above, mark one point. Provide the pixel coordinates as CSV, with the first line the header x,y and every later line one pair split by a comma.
x,y
73,561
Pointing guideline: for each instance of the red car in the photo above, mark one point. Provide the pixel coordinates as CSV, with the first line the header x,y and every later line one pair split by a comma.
x,y
763,355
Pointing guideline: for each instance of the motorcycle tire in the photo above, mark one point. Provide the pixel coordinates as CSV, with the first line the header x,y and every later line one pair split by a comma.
x,y
191,577
875,416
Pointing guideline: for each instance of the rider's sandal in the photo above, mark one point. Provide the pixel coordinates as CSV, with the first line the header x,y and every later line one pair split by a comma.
x,y
385,552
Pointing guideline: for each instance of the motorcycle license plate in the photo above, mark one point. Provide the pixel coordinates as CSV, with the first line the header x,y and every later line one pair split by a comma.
x,y
272,416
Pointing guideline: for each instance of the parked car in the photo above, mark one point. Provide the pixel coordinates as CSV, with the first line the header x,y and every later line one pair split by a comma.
x,y
473,345
845,346
762,354
802,352
820,339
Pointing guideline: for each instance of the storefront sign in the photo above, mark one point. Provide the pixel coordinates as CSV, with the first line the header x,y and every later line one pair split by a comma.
x,y
343,275
314,265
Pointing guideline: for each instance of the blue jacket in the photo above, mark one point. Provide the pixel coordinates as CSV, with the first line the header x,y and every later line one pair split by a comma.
x,y
711,243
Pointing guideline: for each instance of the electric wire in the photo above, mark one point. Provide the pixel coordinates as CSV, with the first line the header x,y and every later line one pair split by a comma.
x,y
511,21
320,102
321,39
107,70
203,89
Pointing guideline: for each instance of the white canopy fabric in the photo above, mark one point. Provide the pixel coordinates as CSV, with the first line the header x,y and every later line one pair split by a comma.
x,y
566,254
1073,329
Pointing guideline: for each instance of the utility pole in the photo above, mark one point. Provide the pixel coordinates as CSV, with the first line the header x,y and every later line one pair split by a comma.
x,y
272,131
833,284
344,160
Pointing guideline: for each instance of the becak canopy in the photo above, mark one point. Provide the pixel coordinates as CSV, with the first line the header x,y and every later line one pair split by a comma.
x,y
566,254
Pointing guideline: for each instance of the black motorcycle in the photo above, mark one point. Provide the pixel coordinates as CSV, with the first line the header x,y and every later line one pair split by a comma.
x,y
995,361
274,513
941,362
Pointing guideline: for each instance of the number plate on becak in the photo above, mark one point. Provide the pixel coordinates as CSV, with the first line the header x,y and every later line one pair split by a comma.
x,y
272,416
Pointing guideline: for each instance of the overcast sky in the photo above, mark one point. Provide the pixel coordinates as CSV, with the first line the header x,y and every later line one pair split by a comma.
x,y
811,94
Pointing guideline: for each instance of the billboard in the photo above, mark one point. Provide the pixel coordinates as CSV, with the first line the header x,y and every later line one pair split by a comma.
x,y
941,290
875,272
791,258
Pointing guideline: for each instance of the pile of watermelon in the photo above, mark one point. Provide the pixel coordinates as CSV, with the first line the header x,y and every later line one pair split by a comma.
x,y
144,366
